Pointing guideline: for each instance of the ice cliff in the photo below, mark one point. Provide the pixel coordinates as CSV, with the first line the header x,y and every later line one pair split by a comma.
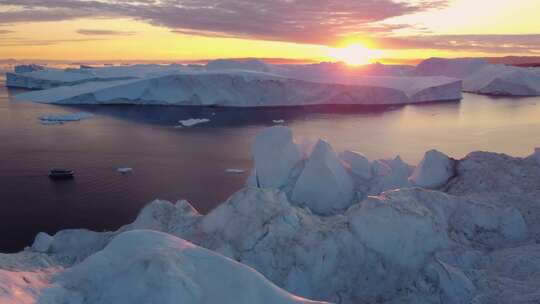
x,y
238,88
345,237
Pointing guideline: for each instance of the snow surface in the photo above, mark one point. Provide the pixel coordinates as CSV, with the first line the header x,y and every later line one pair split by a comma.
x,y
228,83
148,267
475,240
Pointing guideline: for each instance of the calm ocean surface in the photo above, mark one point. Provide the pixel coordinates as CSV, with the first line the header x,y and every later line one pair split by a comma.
x,y
171,163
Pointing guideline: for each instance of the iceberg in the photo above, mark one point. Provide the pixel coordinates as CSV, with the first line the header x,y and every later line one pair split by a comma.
x,y
504,80
231,87
434,170
482,78
471,241
275,155
324,186
358,163
39,77
457,68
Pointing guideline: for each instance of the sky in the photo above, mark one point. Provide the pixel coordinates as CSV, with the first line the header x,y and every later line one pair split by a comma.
x,y
184,30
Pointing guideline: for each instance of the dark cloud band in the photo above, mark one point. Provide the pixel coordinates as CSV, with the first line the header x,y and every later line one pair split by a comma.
x,y
304,21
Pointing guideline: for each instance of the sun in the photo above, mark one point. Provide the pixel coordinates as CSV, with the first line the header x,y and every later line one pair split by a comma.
x,y
354,54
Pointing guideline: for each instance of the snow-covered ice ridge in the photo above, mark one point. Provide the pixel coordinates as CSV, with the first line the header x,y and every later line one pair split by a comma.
x,y
230,83
328,226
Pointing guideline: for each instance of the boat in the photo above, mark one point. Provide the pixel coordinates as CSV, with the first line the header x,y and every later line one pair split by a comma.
x,y
61,174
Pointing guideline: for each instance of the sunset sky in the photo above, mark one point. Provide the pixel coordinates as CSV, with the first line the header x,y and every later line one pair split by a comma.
x,y
293,29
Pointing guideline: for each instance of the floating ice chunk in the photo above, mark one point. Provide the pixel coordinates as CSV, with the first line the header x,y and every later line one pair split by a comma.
x,y
358,162
434,170
127,269
125,170
235,171
42,242
193,121
275,155
324,185
278,121
62,118
52,122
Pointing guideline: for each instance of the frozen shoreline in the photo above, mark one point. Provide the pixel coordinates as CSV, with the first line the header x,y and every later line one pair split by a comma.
x,y
388,239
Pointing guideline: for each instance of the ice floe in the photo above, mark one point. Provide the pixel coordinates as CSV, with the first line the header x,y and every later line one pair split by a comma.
x,y
124,170
63,118
235,171
193,121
